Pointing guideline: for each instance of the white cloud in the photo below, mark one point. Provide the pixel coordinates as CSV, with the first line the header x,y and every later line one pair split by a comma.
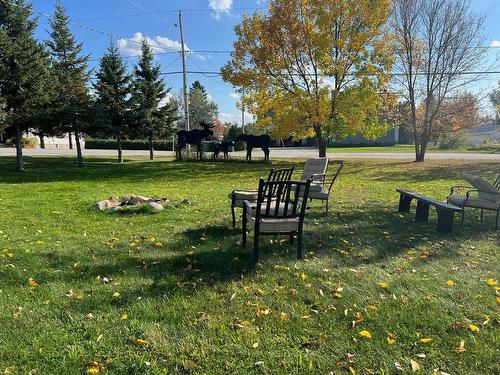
x,y
495,43
202,57
167,99
220,7
235,96
259,2
235,117
159,44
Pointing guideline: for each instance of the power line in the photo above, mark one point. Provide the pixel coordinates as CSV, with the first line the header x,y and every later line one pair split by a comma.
x,y
152,13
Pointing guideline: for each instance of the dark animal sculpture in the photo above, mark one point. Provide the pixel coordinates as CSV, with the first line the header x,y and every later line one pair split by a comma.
x,y
256,141
224,148
193,137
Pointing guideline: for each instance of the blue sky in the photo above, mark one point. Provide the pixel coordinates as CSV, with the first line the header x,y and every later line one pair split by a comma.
x,y
208,26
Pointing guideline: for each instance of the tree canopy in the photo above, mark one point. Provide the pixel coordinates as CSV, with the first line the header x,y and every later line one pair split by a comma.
x,y
314,67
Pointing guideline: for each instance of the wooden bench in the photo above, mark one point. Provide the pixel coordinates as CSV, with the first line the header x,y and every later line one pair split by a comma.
x,y
445,211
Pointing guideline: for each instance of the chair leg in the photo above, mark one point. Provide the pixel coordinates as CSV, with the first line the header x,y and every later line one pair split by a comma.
x,y
498,216
481,217
463,217
232,211
244,228
291,238
300,254
327,206
255,246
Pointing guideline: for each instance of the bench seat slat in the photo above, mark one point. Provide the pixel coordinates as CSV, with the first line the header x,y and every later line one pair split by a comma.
x,y
434,202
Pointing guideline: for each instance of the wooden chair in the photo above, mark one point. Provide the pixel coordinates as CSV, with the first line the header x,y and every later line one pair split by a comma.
x,y
320,189
279,210
239,196
483,196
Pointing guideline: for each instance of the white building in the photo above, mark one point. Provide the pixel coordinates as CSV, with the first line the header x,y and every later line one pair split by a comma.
x,y
56,142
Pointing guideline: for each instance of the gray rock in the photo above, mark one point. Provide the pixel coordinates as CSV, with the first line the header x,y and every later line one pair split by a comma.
x,y
104,205
156,206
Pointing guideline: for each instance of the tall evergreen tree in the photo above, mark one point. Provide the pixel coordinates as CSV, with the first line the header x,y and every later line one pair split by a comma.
x,y
112,90
201,108
70,69
23,70
154,121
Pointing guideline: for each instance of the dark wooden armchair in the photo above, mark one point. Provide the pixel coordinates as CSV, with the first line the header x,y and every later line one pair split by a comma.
x,y
239,196
279,210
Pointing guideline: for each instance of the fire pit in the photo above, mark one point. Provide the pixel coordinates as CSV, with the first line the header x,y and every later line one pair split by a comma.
x,y
113,204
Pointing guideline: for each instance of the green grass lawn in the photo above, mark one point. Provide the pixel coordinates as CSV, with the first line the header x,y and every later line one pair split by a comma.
x,y
410,149
183,297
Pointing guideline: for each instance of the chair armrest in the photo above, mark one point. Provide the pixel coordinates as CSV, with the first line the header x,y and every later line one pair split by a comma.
x,y
249,205
455,187
469,192
318,177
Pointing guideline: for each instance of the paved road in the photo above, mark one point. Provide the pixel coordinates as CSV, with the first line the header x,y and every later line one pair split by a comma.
x,y
281,153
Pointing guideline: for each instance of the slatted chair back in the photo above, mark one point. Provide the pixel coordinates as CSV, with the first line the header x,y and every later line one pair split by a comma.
x,y
279,174
288,201
496,184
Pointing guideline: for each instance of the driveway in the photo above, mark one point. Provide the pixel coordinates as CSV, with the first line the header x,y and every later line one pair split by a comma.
x,y
277,153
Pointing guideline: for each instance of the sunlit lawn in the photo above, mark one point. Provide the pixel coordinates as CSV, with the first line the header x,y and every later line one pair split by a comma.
x,y
184,297
411,149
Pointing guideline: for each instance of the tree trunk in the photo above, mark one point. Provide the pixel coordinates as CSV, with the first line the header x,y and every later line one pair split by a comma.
x,y
42,140
70,141
321,141
151,149
19,149
119,146
79,155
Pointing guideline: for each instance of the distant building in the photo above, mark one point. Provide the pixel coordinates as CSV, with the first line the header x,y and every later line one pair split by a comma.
x,y
62,142
483,134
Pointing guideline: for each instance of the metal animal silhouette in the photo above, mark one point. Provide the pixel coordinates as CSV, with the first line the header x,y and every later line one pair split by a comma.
x,y
224,148
256,141
193,137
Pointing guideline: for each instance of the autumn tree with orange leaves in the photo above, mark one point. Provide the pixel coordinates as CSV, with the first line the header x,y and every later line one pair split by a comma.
x,y
314,67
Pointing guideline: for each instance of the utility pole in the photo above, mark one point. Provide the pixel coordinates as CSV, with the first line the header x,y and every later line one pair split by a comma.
x,y
184,79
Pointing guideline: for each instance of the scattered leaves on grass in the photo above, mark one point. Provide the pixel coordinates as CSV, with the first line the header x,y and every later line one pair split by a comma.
x,y
371,308
425,340
366,334
124,317
255,345
391,338
383,285
450,282
140,341
283,316
116,295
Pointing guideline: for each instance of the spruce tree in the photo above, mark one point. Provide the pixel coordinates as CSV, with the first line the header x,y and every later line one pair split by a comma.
x,y
112,90
23,70
149,92
201,108
70,70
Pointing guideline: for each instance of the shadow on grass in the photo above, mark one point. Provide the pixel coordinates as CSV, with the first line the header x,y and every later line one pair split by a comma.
x,y
208,257
52,169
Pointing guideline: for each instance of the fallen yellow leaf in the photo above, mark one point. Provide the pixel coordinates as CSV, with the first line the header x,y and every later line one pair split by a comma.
x,y
473,328
450,283
425,340
461,348
365,334
261,313
124,317
371,308
255,345
491,282
116,295
158,244
390,340
32,282
141,342
283,316
383,285
414,365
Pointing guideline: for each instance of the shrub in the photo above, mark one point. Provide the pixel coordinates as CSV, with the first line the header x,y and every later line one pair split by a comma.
x,y
453,140
92,144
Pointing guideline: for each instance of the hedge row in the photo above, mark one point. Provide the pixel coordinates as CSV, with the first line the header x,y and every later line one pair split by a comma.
x,y
93,144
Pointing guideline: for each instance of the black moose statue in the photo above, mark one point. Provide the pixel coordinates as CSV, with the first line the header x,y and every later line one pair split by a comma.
x,y
255,141
223,147
194,137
